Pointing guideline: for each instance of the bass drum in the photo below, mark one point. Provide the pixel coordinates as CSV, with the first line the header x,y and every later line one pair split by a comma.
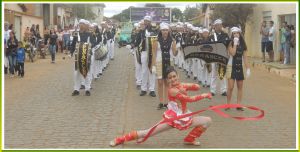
x,y
83,59
100,52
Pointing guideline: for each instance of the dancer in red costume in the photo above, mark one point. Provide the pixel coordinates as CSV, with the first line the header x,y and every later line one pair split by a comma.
x,y
177,106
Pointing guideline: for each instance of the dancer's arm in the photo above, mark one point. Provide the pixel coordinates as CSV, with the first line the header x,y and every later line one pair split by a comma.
x,y
175,93
191,86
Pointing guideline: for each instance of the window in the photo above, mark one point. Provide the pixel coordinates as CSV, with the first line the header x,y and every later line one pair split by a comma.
x,y
267,15
38,10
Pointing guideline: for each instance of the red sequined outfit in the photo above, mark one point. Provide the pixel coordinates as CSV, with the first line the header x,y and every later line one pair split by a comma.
x,y
180,96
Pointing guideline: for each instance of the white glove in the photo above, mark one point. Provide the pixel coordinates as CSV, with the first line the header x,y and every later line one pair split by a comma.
x,y
128,46
131,51
177,45
235,41
153,69
248,73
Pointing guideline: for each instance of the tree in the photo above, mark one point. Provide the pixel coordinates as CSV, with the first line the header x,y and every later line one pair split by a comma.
x,y
234,14
176,14
124,16
83,11
191,12
154,5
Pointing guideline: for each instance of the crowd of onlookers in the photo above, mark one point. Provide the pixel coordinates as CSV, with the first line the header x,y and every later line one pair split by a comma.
x,y
287,39
54,40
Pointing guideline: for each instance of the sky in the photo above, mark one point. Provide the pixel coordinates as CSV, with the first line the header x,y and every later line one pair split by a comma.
x,y
117,7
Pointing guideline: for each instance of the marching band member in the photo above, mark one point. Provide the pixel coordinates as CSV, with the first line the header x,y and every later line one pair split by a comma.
x,y
179,42
177,94
137,56
161,59
148,79
111,42
83,38
194,67
220,36
94,42
206,67
200,63
106,36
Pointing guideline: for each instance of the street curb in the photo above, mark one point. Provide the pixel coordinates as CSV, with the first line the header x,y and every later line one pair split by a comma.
x,y
287,72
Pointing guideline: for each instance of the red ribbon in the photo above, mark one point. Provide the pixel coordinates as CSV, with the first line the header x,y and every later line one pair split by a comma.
x,y
216,109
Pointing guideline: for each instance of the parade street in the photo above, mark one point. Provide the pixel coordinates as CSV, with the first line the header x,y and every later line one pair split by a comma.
x,y
40,112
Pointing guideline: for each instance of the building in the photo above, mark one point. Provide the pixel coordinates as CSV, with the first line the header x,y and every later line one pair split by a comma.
x,y
98,9
207,11
277,12
57,15
23,16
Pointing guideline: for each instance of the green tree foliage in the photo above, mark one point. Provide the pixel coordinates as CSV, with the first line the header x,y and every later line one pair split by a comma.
x,y
191,12
234,14
154,5
83,11
124,16
177,15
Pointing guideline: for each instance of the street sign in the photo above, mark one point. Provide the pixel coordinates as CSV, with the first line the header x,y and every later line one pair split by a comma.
x,y
158,14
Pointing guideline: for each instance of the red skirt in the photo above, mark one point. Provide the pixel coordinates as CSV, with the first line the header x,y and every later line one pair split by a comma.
x,y
181,124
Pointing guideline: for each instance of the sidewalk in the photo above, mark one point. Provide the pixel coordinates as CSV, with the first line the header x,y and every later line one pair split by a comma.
x,y
287,71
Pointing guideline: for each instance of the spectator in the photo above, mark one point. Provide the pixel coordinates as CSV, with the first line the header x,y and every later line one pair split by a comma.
x,y
264,32
11,27
60,40
66,38
293,36
52,44
12,46
271,41
282,41
287,36
20,60
6,37
37,28
32,35
46,35
27,34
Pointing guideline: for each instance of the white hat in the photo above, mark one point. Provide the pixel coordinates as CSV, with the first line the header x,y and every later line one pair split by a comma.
x,y
235,29
148,18
190,26
200,30
178,26
164,26
103,22
81,21
218,21
86,22
136,24
95,24
196,29
205,30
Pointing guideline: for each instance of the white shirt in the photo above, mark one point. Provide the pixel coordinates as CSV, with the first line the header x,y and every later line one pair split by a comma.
x,y
272,31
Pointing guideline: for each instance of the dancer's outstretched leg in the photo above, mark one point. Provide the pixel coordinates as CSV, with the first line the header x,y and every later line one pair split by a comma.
x,y
200,123
135,135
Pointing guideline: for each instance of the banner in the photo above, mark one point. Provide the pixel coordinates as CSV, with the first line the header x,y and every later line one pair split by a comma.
x,y
158,14
209,52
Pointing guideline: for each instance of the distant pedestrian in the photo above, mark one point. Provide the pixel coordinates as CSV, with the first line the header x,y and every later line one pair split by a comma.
x,y
60,40
287,35
270,49
52,44
20,59
12,46
282,41
264,32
